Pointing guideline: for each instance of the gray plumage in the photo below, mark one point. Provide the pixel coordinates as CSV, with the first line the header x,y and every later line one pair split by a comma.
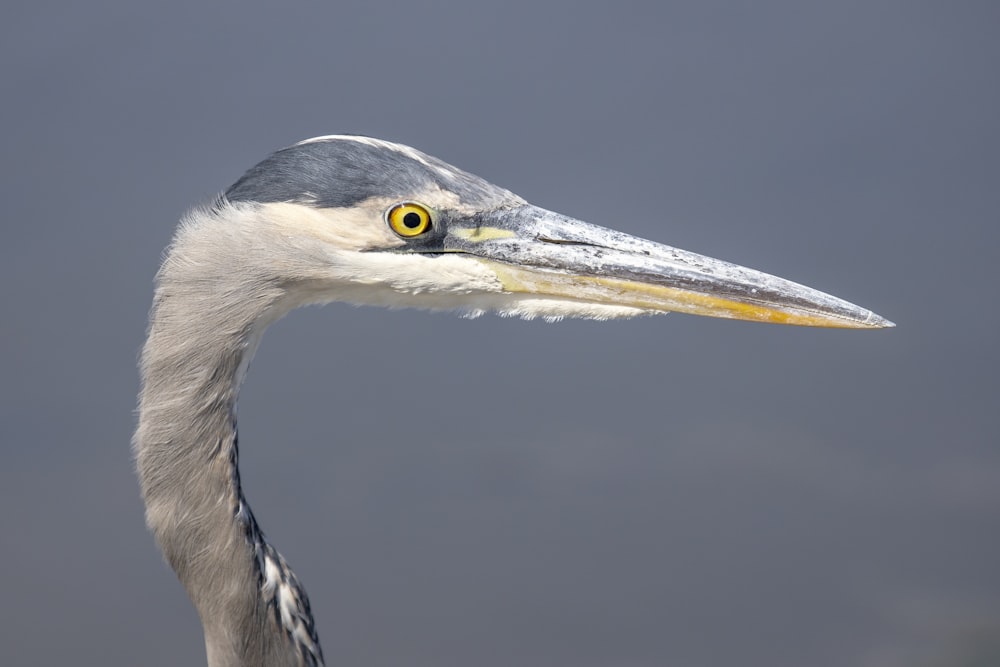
x,y
318,222
342,173
208,301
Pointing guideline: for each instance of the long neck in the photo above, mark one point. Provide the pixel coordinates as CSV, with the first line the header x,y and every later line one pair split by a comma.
x,y
204,325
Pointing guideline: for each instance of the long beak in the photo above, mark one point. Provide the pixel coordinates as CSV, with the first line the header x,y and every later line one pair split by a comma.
x,y
537,251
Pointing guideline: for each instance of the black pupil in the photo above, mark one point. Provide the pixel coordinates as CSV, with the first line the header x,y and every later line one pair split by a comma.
x,y
411,220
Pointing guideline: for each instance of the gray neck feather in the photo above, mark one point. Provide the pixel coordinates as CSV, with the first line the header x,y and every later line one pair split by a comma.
x,y
216,292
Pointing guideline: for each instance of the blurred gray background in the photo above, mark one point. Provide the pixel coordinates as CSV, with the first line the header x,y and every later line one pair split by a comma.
x,y
665,491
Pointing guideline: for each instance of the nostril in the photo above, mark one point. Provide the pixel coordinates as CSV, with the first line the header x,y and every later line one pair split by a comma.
x,y
547,239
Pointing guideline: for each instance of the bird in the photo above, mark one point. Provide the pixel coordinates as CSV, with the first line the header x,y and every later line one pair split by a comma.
x,y
361,220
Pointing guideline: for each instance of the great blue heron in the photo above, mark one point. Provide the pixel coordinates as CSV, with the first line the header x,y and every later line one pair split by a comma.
x,y
348,218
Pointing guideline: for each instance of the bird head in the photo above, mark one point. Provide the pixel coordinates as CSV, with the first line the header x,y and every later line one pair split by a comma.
x,y
384,224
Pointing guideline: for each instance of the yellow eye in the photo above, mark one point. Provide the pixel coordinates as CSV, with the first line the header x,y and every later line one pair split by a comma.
x,y
409,219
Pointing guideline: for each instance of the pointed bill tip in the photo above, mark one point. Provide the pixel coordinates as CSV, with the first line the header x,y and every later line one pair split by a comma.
x,y
869,321
879,322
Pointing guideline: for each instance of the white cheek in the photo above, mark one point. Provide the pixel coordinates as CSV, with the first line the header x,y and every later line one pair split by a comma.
x,y
399,281
415,274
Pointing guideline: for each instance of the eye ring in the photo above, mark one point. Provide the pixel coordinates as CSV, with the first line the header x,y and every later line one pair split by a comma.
x,y
408,219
